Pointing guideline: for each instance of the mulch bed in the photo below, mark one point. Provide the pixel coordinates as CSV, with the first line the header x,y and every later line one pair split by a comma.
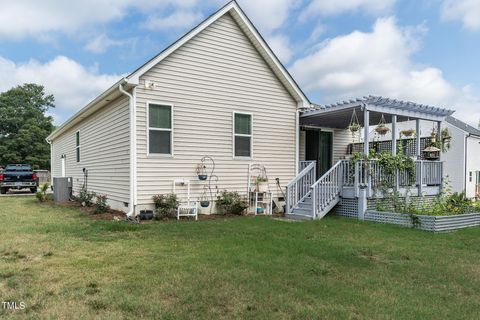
x,y
111,214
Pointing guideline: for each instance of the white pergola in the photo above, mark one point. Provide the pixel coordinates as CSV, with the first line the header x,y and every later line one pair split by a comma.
x,y
371,109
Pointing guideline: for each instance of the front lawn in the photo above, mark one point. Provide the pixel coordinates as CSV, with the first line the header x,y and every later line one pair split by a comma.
x,y
62,264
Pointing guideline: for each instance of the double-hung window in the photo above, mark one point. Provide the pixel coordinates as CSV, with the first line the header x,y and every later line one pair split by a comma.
x,y
242,140
77,144
160,129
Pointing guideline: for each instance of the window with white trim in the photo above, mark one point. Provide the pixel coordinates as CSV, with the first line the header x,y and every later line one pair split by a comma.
x,y
159,129
242,140
77,144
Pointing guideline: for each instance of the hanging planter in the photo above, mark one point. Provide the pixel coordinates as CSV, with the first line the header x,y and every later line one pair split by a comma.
x,y
259,210
382,128
354,125
407,132
201,172
205,203
446,140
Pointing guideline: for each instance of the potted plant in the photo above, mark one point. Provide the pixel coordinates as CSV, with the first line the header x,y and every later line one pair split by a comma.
x,y
408,132
382,129
259,210
201,172
204,203
262,184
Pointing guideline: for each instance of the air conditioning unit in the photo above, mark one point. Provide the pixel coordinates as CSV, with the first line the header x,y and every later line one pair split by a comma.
x,y
62,189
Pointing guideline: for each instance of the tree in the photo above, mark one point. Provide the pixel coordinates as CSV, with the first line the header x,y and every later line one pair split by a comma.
x,y
24,126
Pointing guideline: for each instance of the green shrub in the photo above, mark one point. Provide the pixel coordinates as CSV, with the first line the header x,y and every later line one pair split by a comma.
x,y
101,205
165,206
231,202
458,203
85,197
42,195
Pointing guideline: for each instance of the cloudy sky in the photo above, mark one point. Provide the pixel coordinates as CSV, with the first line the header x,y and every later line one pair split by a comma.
x,y
427,51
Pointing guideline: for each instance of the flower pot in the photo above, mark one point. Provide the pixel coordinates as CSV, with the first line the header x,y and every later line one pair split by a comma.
x,y
202,177
262,186
204,204
259,210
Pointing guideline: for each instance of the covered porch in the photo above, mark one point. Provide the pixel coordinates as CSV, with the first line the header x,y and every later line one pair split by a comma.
x,y
361,175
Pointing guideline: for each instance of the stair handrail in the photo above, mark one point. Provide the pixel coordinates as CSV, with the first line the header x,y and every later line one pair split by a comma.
x,y
325,189
299,187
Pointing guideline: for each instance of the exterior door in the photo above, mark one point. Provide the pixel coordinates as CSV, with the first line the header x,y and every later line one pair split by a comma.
x,y
318,147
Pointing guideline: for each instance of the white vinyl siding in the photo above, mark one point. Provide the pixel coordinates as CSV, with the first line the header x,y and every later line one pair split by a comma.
x,y
215,74
104,141
242,135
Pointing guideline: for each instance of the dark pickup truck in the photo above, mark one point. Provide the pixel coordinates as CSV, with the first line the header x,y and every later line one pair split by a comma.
x,y
18,176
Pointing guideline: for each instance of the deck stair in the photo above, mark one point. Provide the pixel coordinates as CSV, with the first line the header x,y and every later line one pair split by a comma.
x,y
308,199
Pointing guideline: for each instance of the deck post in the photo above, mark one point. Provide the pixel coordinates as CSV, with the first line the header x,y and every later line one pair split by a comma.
x,y
418,139
362,203
439,134
394,149
394,135
366,131
420,179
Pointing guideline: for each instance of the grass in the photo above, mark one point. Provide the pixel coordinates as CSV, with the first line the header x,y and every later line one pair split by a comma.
x,y
62,264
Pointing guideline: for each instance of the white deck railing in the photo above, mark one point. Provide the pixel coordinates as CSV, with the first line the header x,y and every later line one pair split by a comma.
x,y
299,188
327,188
369,173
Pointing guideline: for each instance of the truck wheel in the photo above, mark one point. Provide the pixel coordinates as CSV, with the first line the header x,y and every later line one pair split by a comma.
x,y
3,190
33,190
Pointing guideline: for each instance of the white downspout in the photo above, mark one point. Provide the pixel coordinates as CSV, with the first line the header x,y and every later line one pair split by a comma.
x,y
297,137
133,149
51,160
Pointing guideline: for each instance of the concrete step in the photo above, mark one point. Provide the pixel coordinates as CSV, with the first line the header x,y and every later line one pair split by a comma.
x,y
294,216
303,211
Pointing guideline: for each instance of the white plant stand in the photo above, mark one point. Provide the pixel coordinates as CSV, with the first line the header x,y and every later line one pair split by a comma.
x,y
186,208
262,200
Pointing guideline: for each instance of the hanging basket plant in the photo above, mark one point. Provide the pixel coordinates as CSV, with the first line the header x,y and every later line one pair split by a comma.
x,y
382,128
446,140
354,125
407,132
201,172
204,203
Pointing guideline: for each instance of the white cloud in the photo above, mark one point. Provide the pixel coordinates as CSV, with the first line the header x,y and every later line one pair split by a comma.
x,y
380,63
26,18
281,46
268,15
102,43
334,7
72,84
467,11
180,19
